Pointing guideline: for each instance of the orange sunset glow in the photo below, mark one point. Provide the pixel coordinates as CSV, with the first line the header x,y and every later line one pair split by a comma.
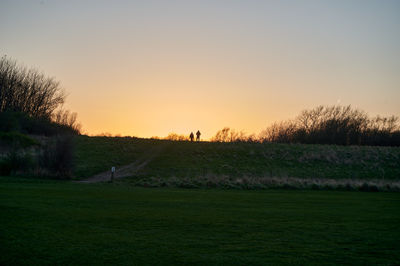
x,y
154,67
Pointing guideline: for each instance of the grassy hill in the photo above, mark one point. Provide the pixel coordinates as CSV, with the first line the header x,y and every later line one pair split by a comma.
x,y
167,160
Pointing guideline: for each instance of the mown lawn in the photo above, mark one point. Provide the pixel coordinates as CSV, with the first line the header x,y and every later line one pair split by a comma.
x,y
49,222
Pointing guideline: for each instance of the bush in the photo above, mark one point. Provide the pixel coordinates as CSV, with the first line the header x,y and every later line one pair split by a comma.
x,y
57,157
16,162
52,158
230,135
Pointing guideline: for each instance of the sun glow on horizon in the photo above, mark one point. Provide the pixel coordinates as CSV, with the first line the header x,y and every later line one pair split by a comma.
x,y
151,68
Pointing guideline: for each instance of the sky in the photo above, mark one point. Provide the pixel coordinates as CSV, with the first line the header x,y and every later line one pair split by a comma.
x,y
148,68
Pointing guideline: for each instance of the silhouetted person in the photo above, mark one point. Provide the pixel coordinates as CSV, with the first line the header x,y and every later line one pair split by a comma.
x,y
191,136
198,135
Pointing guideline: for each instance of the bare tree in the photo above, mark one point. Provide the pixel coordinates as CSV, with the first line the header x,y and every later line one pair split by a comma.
x,y
279,132
222,135
341,125
28,90
66,118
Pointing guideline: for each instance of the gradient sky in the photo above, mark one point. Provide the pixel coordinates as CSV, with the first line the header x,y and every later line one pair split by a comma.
x,y
147,68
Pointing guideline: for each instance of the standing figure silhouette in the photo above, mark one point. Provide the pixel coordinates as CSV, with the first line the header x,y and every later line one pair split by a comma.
x,y
198,135
191,136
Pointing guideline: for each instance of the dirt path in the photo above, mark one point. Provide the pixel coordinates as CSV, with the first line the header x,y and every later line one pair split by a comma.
x,y
129,169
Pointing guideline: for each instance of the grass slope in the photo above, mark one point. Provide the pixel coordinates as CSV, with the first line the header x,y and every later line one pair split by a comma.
x,y
48,223
185,159
98,154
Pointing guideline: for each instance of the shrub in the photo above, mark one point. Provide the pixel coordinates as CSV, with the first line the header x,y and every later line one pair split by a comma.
x,y
57,156
16,162
230,135
176,137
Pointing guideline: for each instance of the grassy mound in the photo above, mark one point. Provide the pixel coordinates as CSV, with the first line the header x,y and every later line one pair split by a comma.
x,y
98,154
170,160
16,140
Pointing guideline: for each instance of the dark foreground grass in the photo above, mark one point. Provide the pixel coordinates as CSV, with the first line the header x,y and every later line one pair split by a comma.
x,y
45,222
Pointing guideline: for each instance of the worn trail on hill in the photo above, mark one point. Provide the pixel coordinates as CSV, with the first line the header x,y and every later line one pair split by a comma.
x,y
129,169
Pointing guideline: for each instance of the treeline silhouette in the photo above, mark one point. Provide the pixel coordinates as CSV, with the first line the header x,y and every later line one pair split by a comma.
x,y
31,102
339,125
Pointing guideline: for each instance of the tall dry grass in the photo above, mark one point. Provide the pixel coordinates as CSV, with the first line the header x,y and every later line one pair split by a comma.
x,y
254,183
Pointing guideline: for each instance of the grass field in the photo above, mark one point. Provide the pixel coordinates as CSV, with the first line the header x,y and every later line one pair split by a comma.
x,y
64,223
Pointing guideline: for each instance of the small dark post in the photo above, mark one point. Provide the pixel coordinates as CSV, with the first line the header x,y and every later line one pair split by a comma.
x,y
112,173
